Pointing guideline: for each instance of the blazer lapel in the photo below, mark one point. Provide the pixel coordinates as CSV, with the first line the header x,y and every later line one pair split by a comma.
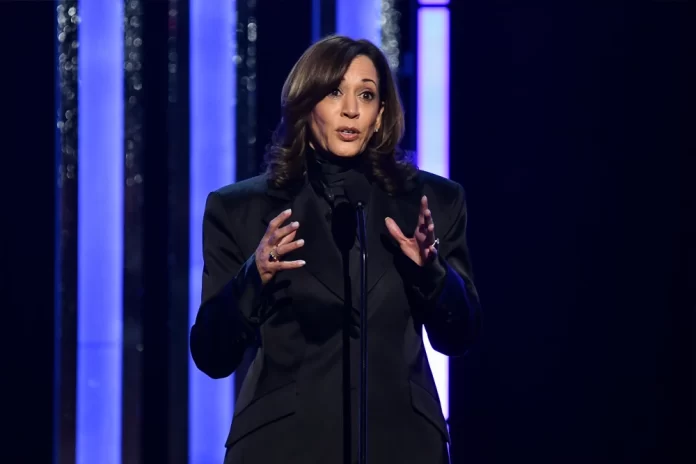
x,y
323,260
381,247
280,200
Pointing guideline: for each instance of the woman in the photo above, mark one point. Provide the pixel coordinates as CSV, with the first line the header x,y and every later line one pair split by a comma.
x,y
282,273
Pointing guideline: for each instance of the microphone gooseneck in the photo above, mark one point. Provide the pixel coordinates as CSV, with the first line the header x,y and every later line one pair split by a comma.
x,y
362,235
345,187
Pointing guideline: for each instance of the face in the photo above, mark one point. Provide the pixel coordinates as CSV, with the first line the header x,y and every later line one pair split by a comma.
x,y
345,120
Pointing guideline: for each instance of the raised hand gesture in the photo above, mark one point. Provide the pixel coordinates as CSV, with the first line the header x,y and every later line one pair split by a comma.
x,y
276,242
421,247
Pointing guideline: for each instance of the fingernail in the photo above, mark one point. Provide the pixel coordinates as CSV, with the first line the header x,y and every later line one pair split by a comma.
x,y
295,224
300,242
302,262
287,211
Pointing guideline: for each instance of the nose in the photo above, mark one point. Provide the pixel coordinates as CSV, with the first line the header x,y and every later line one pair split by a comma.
x,y
350,108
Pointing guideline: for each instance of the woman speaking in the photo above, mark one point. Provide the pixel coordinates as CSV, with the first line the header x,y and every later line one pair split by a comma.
x,y
282,273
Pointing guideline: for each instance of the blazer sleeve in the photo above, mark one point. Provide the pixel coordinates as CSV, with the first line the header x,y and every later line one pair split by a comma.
x,y
445,291
227,319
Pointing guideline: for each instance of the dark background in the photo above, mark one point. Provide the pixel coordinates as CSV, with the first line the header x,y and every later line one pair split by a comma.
x,y
573,134
575,146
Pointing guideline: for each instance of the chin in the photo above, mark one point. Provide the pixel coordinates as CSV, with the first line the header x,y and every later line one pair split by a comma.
x,y
346,150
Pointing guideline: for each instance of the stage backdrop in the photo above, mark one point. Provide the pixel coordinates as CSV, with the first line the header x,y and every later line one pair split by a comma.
x,y
569,127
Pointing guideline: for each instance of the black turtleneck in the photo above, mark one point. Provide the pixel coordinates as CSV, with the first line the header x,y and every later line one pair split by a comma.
x,y
333,175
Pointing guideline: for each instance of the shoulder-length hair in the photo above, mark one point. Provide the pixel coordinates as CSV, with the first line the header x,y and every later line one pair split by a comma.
x,y
318,71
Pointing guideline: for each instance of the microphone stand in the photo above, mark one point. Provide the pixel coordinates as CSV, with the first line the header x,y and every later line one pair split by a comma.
x,y
362,414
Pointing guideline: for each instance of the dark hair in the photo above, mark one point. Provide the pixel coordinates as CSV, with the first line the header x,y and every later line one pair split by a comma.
x,y
319,70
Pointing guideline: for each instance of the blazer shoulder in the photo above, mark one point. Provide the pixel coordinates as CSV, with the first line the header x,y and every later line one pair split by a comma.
x,y
243,192
446,191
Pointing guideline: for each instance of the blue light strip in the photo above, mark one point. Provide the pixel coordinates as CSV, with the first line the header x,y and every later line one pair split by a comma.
x,y
316,20
100,232
212,99
433,131
360,19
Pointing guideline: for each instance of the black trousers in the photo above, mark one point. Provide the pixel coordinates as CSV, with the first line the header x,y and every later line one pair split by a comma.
x,y
276,443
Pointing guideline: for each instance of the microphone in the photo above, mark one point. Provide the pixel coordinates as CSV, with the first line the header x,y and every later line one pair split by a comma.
x,y
357,196
343,225
357,193
348,210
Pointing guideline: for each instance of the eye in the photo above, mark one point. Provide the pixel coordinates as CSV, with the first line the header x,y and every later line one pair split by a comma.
x,y
335,93
367,95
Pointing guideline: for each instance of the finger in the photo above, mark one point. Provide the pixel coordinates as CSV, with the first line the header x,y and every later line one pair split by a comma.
x,y
430,226
426,228
422,219
394,229
288,247
275,238
428,216
286,265
277,221
288,238
430,253
423,209
425,236
421,237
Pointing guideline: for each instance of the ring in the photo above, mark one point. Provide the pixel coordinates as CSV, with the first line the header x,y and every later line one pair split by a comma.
x,y
272,256
436,243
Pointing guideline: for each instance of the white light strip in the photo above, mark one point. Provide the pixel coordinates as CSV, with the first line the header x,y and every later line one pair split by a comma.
x,y
100,184
360,19
433,132
212,158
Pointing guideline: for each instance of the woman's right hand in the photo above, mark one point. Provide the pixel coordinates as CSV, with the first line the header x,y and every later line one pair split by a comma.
x,y
276,242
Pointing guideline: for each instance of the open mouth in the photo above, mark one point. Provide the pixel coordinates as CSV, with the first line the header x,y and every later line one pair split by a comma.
x,y
348,134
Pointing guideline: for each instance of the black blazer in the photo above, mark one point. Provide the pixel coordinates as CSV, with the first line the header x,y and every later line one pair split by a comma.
x,y
299,401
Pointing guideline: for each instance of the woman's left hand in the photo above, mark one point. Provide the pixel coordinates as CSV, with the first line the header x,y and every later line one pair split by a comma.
x,y
421,248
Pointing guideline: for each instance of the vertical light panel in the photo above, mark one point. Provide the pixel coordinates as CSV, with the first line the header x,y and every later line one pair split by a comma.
x,y
433,83
360,19
316,20
99,231
212,101
433,131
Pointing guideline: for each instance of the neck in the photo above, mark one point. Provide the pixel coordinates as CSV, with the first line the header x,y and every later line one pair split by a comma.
x,y
325,157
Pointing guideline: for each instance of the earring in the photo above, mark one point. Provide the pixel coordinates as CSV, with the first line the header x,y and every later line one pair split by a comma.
x,y
376,130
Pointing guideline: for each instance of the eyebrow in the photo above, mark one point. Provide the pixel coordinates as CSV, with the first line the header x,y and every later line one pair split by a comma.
x,y
366,79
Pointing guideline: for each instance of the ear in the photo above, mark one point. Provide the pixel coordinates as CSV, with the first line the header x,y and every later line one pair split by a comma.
x,y
378,123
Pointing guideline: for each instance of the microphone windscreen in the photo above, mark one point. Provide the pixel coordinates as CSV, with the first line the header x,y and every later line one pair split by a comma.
x,y
357,192
343,225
